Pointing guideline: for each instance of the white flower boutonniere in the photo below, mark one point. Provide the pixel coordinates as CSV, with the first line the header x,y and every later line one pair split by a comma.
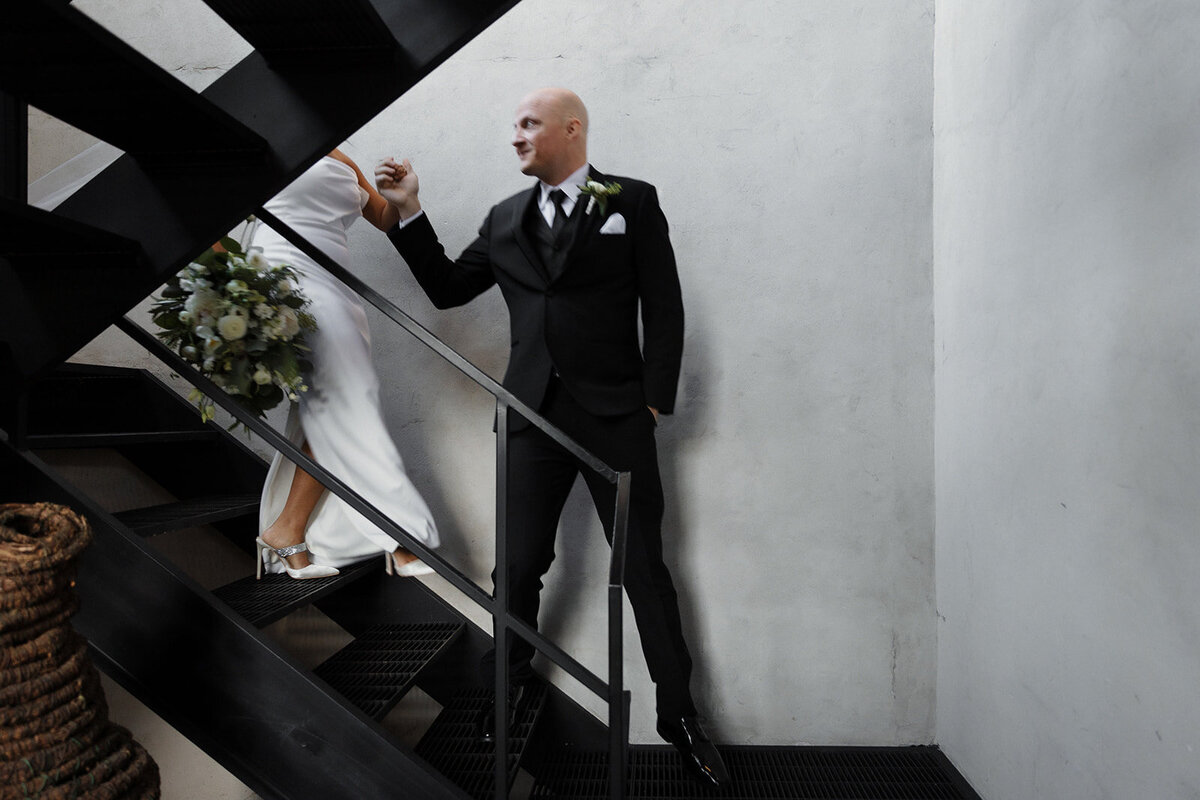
x,y
598,194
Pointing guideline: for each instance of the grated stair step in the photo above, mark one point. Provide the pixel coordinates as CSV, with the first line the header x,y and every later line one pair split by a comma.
x,y
262,602
153,520
375,670
830,773
453,747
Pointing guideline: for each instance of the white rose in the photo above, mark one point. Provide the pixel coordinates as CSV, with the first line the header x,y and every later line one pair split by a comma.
x,y
263,311
291,322
284,287
232,326
261,376
257,259
204,305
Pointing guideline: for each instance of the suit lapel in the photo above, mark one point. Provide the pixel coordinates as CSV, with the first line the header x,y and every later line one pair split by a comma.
x,y
520,212
587,224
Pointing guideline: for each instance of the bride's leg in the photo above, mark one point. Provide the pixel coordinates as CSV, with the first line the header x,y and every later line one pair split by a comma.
x,y
402,556
288,527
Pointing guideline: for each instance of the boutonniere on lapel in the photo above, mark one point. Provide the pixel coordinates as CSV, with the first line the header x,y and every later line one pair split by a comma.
x,y
598,194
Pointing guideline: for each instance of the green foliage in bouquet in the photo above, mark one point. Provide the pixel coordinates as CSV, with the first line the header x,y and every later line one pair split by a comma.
x,y
241,322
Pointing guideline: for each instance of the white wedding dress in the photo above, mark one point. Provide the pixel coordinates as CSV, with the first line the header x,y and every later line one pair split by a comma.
x,y
340,414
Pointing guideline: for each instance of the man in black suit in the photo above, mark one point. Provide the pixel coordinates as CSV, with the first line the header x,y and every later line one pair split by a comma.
x,y
574,270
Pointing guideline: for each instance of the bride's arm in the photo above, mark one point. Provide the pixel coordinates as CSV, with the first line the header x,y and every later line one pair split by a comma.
x,y
377,211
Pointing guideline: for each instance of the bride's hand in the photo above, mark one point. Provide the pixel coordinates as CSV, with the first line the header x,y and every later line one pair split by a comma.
x,y
398,184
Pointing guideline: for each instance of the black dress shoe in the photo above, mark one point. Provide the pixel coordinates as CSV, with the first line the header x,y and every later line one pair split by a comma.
x,y
485,722
700,756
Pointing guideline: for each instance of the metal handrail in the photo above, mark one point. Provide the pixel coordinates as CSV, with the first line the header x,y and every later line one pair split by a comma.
x,y
504,623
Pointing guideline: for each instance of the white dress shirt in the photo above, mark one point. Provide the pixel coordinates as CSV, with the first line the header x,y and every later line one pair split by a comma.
x,y
570,187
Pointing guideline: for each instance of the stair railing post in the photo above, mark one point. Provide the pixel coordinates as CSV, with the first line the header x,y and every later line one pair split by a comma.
x,y
501,630
20,420
14,148
14,179
618,721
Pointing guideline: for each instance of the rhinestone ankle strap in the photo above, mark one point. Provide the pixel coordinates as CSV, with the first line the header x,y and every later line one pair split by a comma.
x,y
284,552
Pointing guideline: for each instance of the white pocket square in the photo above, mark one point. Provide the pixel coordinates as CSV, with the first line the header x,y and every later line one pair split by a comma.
x,y
614,224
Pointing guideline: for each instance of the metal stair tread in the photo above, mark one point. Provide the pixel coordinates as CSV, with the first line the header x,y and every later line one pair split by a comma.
x,y
378,668
152,520
656,771
453,747
261,602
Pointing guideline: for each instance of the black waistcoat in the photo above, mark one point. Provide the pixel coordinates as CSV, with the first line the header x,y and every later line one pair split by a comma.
x,y
551,249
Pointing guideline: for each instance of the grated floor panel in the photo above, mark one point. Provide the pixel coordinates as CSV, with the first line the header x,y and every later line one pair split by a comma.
x,y
452,745
261,602
775,773
375,670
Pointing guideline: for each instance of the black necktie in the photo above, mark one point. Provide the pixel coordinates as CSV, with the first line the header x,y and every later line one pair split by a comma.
x,y
560,215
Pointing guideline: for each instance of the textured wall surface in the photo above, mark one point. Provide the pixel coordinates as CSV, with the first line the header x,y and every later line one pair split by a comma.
x,y
791,145
1068,442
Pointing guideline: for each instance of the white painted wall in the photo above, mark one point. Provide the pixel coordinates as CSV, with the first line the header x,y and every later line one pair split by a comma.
x,y
1067,440
791,145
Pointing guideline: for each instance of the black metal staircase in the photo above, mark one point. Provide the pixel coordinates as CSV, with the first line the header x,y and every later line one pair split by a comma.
x,y
198,658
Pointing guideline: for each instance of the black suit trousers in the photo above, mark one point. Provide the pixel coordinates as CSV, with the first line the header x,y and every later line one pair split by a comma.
x,y
541,474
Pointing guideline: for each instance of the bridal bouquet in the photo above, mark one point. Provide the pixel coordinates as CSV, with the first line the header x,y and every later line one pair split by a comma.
x,y
241,322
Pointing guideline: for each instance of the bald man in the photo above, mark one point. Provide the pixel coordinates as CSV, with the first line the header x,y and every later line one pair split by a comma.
x,y
575,271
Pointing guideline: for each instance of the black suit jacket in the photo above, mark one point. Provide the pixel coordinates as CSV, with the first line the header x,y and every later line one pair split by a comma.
x,y
585,322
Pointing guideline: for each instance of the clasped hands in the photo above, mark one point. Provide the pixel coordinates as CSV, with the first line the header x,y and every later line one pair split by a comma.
x,y
398,184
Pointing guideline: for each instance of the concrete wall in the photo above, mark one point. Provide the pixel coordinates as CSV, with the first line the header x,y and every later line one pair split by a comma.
x,y
791,145
1067,440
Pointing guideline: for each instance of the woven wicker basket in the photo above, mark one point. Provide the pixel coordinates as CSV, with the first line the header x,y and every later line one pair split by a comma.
x,y
56,742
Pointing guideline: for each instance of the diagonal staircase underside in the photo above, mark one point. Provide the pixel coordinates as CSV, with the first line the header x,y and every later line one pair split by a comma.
x,y
322,69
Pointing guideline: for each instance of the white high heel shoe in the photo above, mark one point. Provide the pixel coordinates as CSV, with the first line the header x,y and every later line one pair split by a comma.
x,y
410,569
281,553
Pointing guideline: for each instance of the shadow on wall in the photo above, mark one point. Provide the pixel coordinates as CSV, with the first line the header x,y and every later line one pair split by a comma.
x,y
689,422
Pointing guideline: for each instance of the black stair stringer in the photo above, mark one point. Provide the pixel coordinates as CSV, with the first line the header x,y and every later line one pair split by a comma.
x,y
175,213
207,673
